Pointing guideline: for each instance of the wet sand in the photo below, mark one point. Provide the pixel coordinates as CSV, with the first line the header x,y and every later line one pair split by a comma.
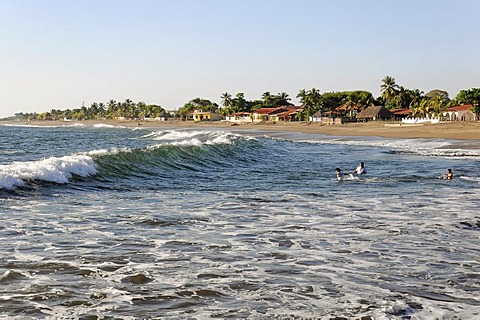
x,y
447,130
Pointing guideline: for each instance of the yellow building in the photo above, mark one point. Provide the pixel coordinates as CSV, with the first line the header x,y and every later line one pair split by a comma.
x,y
205,116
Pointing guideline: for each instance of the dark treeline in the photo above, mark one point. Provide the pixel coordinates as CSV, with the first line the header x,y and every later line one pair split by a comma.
x,y
393,96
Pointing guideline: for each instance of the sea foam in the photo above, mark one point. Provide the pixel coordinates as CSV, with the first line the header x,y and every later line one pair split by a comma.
x,y
52,169
193,137
424,147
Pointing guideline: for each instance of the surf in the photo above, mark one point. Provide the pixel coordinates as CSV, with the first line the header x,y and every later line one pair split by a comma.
x,y
54,169
169,151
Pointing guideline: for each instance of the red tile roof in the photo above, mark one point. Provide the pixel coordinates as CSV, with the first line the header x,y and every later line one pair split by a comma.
x,y
288,112
460,108
400,112
268,110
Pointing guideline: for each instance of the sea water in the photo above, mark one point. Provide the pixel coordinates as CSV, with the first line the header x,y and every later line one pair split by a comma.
x,y
120,223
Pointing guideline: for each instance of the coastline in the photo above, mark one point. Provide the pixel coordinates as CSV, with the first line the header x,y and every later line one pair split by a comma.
x,y
446,130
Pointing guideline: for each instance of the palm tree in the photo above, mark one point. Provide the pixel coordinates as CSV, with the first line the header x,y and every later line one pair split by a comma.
x,y
141,109
112,108
403,97
315,97
389,88
85,113
93,110
101,109
127,109
283,99
267,97
302,95
239,103
226,100
364,100
311,101
435,106
428,107
350,105
416,96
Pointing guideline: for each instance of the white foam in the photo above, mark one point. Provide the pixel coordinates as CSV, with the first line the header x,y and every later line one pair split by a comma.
x,y
223,139
103,125
19,256
425,147
52,169
474,179
26,125
192,142
174,134
193,137
105,152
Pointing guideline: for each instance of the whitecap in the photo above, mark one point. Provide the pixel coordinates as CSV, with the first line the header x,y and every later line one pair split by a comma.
x,y
193,137
103,125
53,169
105,152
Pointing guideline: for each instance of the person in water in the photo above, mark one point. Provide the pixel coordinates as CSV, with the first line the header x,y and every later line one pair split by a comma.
x,y
360,169
449,174
339,174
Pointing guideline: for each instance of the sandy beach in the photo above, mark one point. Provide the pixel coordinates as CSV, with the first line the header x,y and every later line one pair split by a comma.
x,y
447,130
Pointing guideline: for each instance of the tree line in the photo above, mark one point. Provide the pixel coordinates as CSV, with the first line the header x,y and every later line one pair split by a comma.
x,y
96,111
393,96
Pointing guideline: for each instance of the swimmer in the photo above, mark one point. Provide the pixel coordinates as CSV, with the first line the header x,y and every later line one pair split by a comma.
x,y
449,174
339,174
360,169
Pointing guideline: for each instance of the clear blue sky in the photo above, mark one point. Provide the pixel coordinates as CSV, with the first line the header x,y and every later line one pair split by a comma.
x,y
58,54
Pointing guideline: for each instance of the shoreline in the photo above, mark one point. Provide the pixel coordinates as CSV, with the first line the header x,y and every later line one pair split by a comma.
x,y
457,130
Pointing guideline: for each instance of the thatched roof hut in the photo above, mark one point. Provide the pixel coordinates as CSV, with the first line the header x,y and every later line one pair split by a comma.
x,y
375,113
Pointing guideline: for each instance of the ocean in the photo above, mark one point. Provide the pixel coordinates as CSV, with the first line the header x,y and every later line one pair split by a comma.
x,y
102,222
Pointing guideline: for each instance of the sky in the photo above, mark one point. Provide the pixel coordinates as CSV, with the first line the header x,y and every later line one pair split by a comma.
x,y
57,54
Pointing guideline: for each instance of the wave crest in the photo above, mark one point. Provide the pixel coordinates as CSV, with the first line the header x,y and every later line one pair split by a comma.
x,y
53,169
193,137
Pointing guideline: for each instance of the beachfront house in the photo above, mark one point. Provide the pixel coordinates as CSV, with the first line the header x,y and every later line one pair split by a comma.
x,y
290,114
375,113
240,117
401,113
460,113
286,113
347,111
199,115
266,114
327,118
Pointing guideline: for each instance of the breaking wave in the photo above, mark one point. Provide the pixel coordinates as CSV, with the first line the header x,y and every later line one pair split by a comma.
x,y
182,150
194,137
53,169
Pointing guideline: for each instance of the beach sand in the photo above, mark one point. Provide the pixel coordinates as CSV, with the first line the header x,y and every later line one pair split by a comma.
x,y
447,130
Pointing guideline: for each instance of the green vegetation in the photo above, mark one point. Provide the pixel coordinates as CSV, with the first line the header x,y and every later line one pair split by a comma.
x,y
112,110
393,96
471,96
197,104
